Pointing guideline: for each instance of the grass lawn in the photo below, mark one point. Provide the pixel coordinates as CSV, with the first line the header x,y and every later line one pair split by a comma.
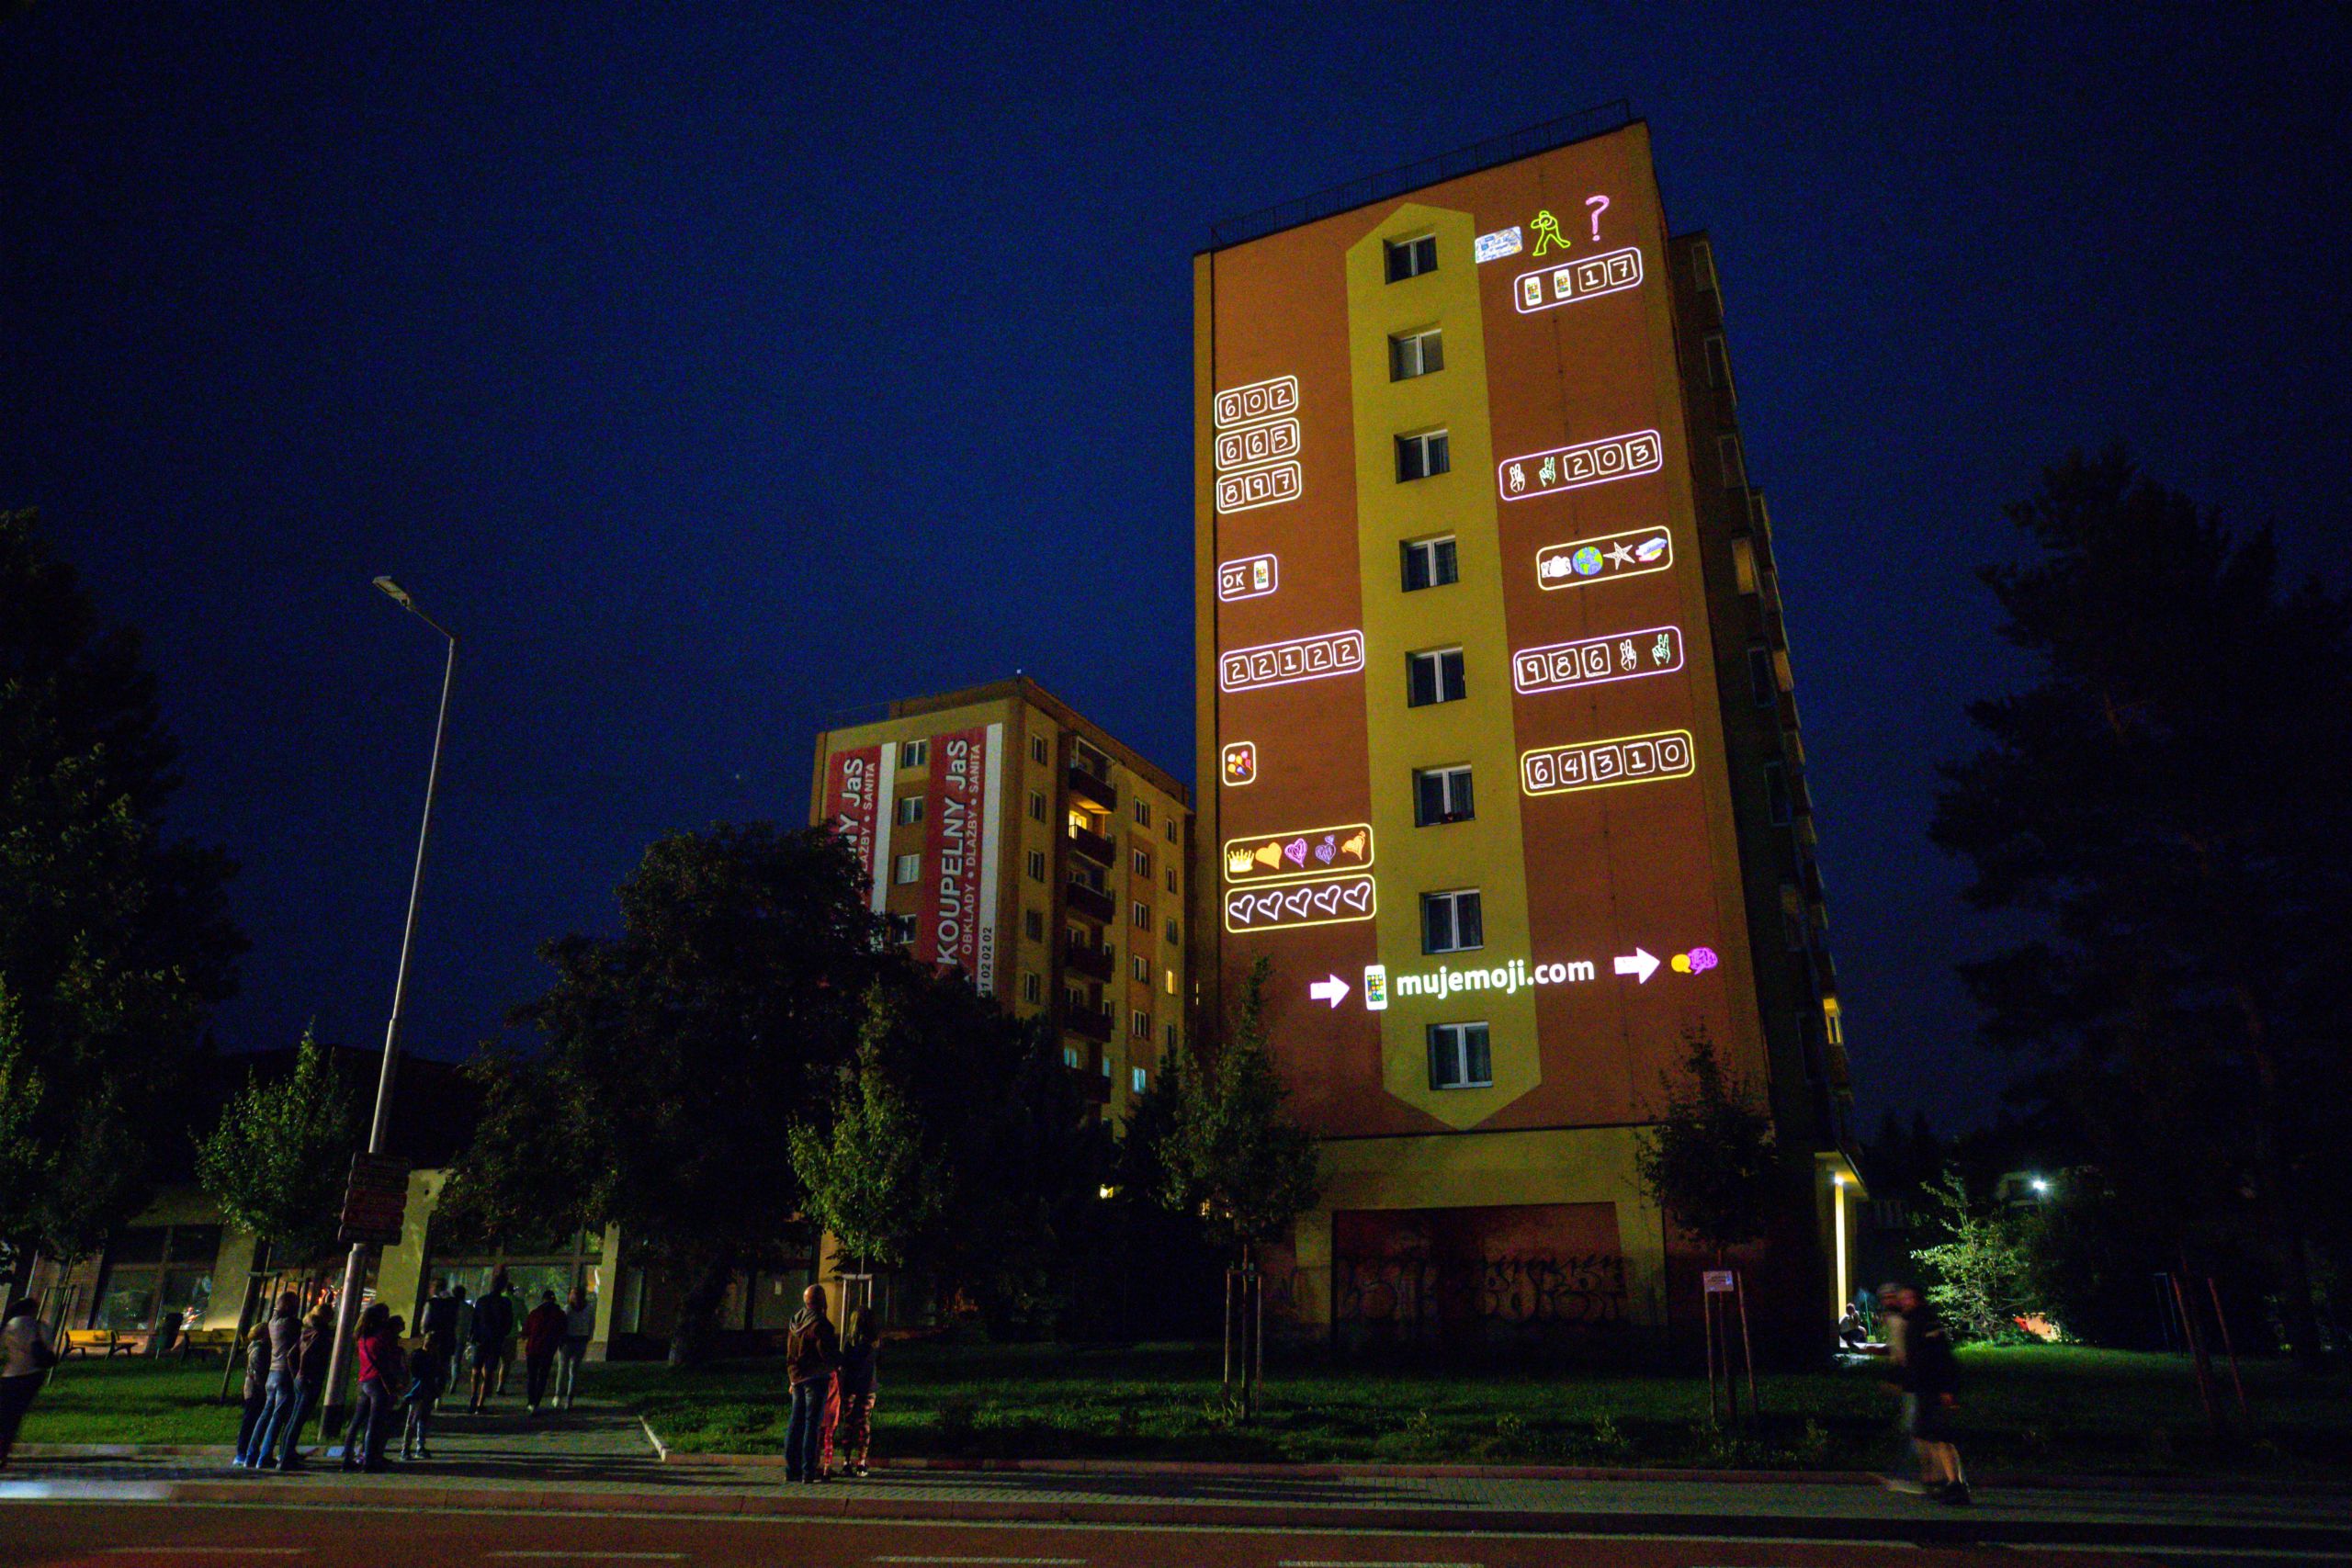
x,y
2038,1407
2049,1408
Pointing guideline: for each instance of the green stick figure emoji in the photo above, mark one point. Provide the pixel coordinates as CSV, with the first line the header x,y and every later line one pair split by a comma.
x,y
1547,232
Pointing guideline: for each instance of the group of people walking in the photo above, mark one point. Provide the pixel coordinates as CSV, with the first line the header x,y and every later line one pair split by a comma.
x,y
401,1386
833,1379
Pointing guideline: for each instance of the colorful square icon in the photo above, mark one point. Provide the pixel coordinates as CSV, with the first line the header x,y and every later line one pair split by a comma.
x,y
1240,762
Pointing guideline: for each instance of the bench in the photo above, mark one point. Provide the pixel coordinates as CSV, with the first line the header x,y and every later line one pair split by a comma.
x,y
102,1341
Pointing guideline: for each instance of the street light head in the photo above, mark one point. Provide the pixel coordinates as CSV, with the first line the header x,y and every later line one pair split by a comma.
x,y
2040,1184
396,594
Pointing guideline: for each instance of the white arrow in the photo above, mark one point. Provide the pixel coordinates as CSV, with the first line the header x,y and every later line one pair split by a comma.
x,y
1334,990
1643,964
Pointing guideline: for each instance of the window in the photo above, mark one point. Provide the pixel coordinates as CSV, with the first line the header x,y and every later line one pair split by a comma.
x,y
1430,563
1143,814
1172,930
1168,1035
1069,1057
1141,863
1727,454
1459,1057
1143,917
1077,1000
1088,759
1170,830
1139,1024
902,928
1449,922
1703,267
1037,805
905,869
1776,790
1415,354
1106,1067
1434,677
1743,565
914,753
1421,457
1791,918
1033,987
1441,795
1168,984
1033,924
1037,753
1140,967
1760,683
1719,366
909,811
1171,879
1410,258
1138,1081
1037,865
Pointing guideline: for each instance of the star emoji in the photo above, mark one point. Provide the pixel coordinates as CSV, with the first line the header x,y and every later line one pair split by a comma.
x,y
1621,555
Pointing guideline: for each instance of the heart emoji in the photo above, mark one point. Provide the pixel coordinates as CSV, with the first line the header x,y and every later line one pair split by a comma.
x,y
1271,904
1238,910
1296,901
1358,897
1270,856
1327,898
1297,851
1327,849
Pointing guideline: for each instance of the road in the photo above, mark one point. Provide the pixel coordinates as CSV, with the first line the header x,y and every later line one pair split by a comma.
x,y
119,1534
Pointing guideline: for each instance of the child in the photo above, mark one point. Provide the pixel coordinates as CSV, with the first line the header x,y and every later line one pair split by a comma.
x,y
426,1370
256,1396
856,1382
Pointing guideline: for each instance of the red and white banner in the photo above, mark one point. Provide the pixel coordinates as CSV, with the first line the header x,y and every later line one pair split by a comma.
x,y
958,921
855,785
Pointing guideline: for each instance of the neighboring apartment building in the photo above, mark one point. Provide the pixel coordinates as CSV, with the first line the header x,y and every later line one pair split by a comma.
x,y
1011,837
1499,760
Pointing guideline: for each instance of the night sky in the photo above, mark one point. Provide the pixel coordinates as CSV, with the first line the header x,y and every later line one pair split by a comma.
x,y
721,371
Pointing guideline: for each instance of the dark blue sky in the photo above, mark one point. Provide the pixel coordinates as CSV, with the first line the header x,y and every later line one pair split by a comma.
x,y
716,369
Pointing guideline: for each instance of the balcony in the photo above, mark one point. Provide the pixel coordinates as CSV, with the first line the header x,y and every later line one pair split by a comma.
x,y
1090,961
1094,787
1086,1023
1093,845
1084,900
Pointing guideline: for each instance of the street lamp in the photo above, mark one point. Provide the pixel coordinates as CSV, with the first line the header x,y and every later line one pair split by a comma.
x,y
2041,1185
331,1414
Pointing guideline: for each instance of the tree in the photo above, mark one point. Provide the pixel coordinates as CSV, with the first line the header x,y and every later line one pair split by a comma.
x,y
1231,1154
677,1053
870,1180
2165,802
1980,1271
277,1161
1708,1158
115,941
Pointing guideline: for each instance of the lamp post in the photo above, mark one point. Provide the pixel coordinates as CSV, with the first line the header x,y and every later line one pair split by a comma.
x,y
355,1270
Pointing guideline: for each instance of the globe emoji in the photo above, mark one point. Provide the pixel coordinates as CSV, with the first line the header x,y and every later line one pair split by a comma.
x,y
1588,561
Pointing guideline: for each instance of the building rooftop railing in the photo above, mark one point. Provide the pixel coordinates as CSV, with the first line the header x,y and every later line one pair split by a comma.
x,y
1523,143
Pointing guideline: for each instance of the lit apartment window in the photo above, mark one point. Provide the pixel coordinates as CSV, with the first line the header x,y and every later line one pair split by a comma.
x,y
1410,258
1141,863
1069,1057
1037,753
1138,1081
1760,683
1033,987
1143,917
1037,865
1140,967
1430,563
1422,456
1727,454
909,811
1776,789
1169,977
1139,1024
1719,366
902,928
1459,1057
914,753
1434,677
905,869
1143,814
1451,923
1037,805
1171,879
1441,795
1415,354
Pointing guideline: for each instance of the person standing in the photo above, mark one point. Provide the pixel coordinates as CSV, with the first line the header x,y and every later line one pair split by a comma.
x,y
810,1356
285,1332
860,1348
543,1334
1926,1375
256,1396
438,1324
579,1326
381,1378
426,1373
26,1356
315,1350
493,1326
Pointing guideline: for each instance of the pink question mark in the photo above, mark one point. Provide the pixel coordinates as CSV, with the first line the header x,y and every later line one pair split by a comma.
x,y
1599,204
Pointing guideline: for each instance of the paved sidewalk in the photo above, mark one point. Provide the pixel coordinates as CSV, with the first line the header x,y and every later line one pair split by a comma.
x,y
601,1460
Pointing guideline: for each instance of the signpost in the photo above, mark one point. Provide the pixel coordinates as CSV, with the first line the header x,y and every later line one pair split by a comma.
x,y
375,1203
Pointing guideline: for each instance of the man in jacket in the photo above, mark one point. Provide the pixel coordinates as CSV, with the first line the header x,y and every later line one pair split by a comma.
x,y
438,1323
542,1334
285,1359
493,1326
809,1356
